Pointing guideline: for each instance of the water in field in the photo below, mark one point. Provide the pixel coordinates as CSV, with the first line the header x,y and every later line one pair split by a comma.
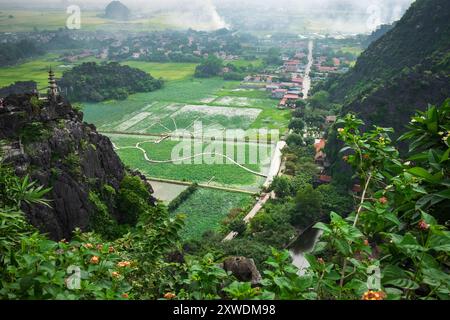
x,y
304,244
166,192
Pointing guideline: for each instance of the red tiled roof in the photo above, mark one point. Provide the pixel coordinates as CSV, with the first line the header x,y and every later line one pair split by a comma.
x,y
320,145
291,96
324,178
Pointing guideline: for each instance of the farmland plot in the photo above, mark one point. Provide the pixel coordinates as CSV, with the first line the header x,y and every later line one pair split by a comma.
x,y
212,169
159,118
206,209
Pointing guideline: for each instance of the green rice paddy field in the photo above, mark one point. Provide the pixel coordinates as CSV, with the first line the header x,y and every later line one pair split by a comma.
x,y
36,70
212,169
206,208
162,104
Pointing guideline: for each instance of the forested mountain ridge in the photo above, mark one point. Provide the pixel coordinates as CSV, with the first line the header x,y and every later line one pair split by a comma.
x,y
401,72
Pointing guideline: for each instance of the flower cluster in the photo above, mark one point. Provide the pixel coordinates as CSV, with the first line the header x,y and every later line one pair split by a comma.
x,y
374,295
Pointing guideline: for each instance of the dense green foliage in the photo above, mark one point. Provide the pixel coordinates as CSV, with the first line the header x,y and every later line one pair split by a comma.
x,y
210,67
396,231
88,267
132,199
94,82
390,246
11,53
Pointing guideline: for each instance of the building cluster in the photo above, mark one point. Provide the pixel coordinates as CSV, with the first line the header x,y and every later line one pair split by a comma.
x,y
159,46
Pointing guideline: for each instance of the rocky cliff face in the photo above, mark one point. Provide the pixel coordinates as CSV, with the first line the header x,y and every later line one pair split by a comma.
x,y
49,141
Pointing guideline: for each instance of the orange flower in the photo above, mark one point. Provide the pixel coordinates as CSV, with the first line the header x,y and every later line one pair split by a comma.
x,y
115,274
88,245
99,247
423,225
169,296
373,295
111,249
383,200
125,295
123,264
366,242
95,260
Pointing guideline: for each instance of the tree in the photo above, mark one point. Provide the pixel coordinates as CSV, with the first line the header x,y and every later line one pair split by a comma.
x,y
273,57
294,139
238,226
319,100
308,207
300,104
297,125
209,68
282,187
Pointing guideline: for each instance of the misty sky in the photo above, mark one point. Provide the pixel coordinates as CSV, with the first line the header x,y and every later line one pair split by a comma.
x,y
205,13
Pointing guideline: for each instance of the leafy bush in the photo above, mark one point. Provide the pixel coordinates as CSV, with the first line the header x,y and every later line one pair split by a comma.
x,y
210,67
132,199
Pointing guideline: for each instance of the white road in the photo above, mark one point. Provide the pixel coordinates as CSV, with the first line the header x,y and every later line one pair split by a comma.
x,y
307,78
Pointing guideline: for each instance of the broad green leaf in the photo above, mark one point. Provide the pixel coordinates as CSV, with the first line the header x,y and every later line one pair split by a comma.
x,y
403,283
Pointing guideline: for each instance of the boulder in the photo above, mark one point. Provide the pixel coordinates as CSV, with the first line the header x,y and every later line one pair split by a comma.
x,y
243,269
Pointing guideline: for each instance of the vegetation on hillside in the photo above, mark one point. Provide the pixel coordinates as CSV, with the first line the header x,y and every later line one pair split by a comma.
x,y
397,228
94,82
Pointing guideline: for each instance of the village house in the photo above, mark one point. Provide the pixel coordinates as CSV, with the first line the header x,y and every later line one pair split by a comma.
x,y
297,80
272,87
327,69
292,65
330,119
320,155
279,93
289,100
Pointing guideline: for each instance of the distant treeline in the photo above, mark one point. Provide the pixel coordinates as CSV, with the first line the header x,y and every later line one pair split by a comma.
x,y
11,53
98,82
